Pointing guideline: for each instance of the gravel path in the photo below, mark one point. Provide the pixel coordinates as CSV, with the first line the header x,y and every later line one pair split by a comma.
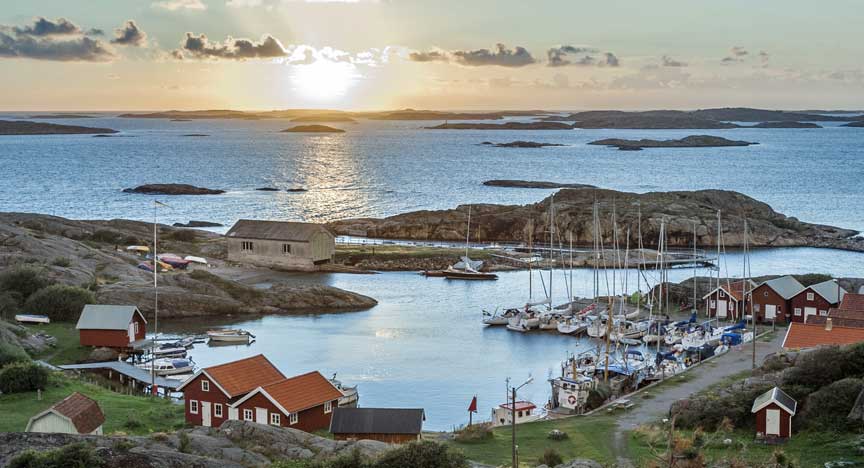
x,y
646,411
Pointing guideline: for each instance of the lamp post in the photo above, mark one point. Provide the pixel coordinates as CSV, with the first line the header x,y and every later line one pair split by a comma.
x,y
513,414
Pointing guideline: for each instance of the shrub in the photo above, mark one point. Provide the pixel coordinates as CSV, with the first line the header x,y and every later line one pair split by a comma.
x,y
132,422
10,352
10,302
811,371
59,302
23,280
555,434
422,454
62,262
827,408
183,439
475,433
183,235
72,455
551,457
23,377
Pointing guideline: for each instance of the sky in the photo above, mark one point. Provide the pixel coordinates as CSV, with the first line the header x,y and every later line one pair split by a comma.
x,y
425,54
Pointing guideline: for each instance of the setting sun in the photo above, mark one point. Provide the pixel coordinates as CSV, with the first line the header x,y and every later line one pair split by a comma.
x,y
324,79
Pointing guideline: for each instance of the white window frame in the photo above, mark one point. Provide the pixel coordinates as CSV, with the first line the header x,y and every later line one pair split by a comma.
x,y
823,313
247,246
712,304
248,415
193,406
293,418
205,385
136,327
810,296
797,311
286,249
275,419
217,410
328,407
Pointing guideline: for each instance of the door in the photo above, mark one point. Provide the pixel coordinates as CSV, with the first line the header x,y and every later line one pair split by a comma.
x,y
205,414
261,415
808,311
770,311
131,331
721,309
772,422
233,414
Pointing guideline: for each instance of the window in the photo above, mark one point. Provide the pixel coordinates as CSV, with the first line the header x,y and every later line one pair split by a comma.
x,y
520,414
731,306
756,307
275,419
797,311
136,328
823,313
217,410
765,293
205,385
246,246
247,415
193,406
712,303
328,406
286,249
809,296
293,418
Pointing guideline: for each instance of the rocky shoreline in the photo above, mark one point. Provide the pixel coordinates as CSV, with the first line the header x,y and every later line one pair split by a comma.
x,y
520,144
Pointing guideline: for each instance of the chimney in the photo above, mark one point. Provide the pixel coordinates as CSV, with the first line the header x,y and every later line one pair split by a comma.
x,y
828,324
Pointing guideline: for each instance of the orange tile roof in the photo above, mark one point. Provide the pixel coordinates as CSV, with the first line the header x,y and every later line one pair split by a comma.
x,y
84,412
852,301
736,288
805,335
851,322
303,391
242,376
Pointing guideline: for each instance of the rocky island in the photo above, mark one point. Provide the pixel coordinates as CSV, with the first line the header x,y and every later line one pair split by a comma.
x,y
573,208
26,127
747,114
504,126
313,129
786,124
644,120
336,117
858,124
520,144
532,184
693,141
61,116
172,189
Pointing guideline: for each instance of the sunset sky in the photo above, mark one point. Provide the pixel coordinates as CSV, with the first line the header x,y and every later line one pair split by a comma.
x,y
466,54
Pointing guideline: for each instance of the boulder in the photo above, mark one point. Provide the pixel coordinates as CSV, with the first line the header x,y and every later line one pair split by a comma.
x,y
103,355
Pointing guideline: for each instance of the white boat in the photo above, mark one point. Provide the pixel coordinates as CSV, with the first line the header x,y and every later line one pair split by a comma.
x,y
499,319
233,336
597,329
194,259
169,351
549,322
163,366
517,327
29,318
572,326
350,395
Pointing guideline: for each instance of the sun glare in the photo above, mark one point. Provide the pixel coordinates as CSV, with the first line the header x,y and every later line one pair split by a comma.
x,y
324,79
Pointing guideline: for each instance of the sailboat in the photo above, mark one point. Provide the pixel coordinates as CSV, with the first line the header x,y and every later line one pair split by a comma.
x,y
468,269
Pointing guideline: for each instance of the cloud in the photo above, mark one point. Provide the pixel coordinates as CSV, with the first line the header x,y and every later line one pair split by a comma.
x,y
95,32
174,5
80,49
668,61
611,60
44,27
130,34
739,51
764,57
200,47
243,3
736,54
430,56
557,56
502,56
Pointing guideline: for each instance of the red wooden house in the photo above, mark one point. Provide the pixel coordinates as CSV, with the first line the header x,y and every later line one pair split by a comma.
x,y
816,300
121,327
771,300
727,301
774,410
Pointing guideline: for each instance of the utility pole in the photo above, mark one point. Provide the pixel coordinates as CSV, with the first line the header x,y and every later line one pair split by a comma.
x,y
513,419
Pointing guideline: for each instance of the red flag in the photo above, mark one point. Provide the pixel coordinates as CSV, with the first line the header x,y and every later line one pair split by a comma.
x,y
473,406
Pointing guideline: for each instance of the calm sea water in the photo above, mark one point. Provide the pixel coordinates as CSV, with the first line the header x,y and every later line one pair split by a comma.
x,y
423,345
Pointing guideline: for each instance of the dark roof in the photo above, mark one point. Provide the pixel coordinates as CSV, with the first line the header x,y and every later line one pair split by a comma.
x,y
275,230
377,421
84,412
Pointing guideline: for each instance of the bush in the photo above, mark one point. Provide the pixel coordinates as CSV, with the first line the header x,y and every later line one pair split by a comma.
x,y
183,439
475,433
827,408
62,262
10,353
24,281
556,434
73,455
551,457
132,422
10,303
811,369
23,377
422,454
59,302
182,235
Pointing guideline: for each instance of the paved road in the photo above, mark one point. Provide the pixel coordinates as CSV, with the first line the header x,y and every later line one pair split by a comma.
x,y
646,411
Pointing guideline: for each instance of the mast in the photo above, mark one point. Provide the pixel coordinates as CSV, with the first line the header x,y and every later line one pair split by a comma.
x,y
530,259
467,237
694,267
551,245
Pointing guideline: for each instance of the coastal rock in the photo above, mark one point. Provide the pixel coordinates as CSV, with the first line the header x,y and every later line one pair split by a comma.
x,y
746,114
25,127
103,354
196,135
692,141
313,129
267,189
197,224
61,116
573,208
296,189
521,144
786,124
532,184
172,189
504,126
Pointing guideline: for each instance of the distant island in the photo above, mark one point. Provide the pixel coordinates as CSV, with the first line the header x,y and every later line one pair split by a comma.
x,y
61,116
784,124
411,114
313,129
26,127
172,189
535,184
645,120
692,141
859,124
338,117
746,114
520,144
195,135
504,126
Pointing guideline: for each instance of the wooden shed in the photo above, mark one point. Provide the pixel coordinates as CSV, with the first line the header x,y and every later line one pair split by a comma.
x,y
111,326
816,300
771,300
75,414
727,301
774,410
391,425
280,244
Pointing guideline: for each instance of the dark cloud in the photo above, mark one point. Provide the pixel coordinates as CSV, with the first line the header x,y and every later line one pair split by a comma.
x,y
130,35
95,32
232,49
764,57
501,56
668,61
82,49
557,56
431,56
739,51
611,60
44,27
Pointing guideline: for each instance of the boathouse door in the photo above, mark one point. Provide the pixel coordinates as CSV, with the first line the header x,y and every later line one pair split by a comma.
x,y
205,414
809,311
261,415
772,422
721,309
770,311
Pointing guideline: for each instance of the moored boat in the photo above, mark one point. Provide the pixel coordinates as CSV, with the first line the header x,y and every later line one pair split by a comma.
x,y
31,318
165,366
232,336
350,395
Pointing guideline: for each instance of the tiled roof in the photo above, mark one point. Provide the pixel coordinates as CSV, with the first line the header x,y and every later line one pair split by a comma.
x,y
376,421
275,230
84,412
303,391
242,376
853,302
851,322
806,335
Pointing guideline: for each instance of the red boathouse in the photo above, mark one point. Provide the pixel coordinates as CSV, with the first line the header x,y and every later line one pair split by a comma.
x,y
120,327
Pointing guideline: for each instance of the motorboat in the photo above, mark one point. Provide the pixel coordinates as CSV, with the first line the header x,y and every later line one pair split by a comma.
x,y
165,366
232,336
173,350
30,318
597,329
350,395
549,322
572,326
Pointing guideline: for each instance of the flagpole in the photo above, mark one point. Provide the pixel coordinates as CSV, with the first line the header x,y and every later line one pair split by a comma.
x,y
155,304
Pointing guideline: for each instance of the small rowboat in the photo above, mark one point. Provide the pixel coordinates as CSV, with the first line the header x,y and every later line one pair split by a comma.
x,y
232,336
28,318
469,275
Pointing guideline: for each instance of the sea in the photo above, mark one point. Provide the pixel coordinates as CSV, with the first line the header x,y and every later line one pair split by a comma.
x,y
423,345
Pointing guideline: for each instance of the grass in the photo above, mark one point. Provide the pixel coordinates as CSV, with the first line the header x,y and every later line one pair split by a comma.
x,y
588,437
123,413
68,350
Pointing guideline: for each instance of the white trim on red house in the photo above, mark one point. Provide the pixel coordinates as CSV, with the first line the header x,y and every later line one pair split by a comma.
x,y
786,336
198,374
267,396
775,401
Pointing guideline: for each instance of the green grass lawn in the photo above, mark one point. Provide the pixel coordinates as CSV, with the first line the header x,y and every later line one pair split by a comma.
x,y
123,413
68,350
589,437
